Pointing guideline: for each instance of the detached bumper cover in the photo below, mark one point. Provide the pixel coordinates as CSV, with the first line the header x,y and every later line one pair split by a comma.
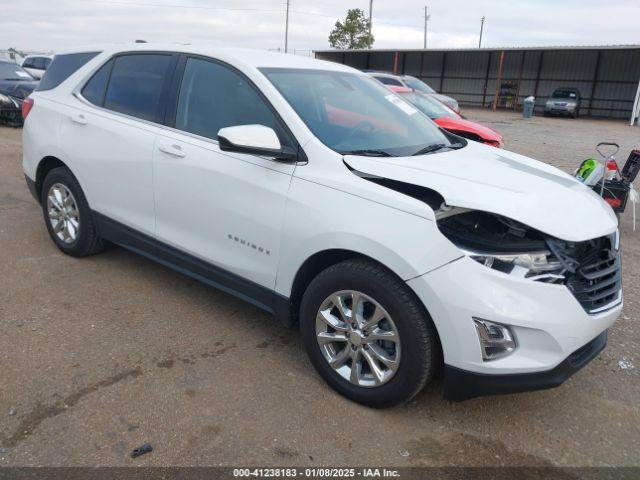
x,y
461,385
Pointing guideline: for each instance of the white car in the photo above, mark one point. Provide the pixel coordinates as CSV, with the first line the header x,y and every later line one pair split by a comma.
x,y
36,65
310,190
416,84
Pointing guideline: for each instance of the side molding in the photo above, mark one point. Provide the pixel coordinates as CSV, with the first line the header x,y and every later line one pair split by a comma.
x,y
194,267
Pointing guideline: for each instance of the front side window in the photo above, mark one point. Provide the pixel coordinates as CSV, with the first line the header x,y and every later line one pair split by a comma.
x,y
351,112
213,96
136,84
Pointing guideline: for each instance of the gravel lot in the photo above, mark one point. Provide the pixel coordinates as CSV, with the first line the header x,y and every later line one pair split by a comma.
x,y
100,355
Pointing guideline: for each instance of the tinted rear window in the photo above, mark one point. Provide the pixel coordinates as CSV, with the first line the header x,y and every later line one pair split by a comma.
x,y
136,84
62,67
389,81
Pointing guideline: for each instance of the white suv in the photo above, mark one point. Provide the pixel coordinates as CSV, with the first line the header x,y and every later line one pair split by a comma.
x,y
311,191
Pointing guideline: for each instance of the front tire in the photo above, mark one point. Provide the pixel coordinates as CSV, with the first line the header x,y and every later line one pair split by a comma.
x,y
381,352
67,215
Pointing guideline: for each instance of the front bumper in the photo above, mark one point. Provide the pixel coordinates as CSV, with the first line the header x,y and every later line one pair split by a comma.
x,y
561,109
462,385
547,321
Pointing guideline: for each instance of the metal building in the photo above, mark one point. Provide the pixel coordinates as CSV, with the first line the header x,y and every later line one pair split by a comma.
x,y
607,77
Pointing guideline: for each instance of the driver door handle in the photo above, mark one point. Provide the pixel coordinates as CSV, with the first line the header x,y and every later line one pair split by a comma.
x,y
173,150
79,119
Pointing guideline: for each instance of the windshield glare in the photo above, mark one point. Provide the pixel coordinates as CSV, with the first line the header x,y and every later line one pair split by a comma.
x,y
10,71
431,107
416,84
565,94
351,112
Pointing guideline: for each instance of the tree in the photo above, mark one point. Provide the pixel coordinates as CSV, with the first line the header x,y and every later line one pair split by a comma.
x,y
353,33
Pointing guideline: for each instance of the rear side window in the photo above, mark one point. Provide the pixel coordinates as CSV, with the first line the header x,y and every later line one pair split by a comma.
x,y
29,63
62,67
136,84
213,96
96,87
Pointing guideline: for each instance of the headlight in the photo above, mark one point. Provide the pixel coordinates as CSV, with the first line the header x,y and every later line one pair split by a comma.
x,y
5,99
529,265
503,244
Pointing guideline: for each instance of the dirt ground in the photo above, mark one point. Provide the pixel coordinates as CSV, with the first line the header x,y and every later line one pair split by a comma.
x,y
102,354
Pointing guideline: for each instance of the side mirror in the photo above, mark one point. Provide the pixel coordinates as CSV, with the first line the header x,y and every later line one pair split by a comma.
x,y
254,140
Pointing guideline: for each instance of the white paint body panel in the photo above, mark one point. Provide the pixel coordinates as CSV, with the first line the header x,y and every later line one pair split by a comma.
x,y
202,199
218,205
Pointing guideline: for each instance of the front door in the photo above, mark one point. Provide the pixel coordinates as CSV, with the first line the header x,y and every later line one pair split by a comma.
x,y
225,209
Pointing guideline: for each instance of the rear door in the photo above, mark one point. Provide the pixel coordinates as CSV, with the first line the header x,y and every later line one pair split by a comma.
x,y
224,208
111,135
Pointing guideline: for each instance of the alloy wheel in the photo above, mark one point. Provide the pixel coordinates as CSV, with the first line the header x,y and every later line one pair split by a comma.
x,y
63,213
358,338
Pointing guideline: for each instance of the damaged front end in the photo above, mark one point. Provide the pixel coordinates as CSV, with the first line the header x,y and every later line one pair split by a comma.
x,y
10,111
589,269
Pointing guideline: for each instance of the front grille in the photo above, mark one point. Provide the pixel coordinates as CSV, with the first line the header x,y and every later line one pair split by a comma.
x,y
596,281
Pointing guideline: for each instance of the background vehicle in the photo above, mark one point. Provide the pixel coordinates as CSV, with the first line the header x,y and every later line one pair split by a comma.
x,y
311,191
15,85
36,65
563,101
448,119
415,84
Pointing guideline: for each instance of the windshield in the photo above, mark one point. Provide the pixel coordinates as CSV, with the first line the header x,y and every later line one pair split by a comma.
x,y
416,84
431,107
565,94
10,71
353,113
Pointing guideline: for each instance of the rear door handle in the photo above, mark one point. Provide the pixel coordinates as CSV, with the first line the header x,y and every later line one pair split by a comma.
x,y
79,119
173,150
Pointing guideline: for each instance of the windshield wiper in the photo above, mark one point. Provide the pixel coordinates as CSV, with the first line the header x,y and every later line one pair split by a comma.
x,y
434,147
367,153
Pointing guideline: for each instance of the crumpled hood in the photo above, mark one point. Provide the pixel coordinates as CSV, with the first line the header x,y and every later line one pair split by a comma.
x,y
493,180
18,88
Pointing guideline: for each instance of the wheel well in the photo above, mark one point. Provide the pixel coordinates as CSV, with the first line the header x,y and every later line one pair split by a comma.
x,y
323,260
44,167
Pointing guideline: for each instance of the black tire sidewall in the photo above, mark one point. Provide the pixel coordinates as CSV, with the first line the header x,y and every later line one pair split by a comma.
x,y
85,239
417,363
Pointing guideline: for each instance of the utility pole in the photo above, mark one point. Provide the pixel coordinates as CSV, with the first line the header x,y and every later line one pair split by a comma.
x,y
286,31
481,29
370,17
426,19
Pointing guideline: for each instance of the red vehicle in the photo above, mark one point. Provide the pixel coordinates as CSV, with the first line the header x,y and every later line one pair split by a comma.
x,y
448,119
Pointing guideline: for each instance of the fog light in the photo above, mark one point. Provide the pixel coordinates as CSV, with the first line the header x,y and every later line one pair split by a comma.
x,y
496,341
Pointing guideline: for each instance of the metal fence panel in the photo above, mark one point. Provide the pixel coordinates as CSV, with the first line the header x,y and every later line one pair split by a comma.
x,y
606,77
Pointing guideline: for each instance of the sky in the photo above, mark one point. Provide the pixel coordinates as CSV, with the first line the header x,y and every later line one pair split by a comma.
x,y
53,25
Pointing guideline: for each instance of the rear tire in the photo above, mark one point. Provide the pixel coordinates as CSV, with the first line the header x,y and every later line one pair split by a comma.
x,y
67,215
376,383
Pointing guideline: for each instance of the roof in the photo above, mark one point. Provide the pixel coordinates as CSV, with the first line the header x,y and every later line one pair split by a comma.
x,y
492,49
250,57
